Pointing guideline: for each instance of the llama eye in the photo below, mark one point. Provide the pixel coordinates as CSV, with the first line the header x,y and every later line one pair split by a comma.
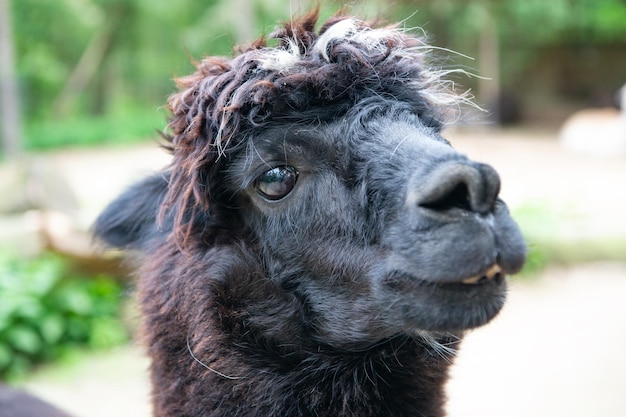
x,y
277,182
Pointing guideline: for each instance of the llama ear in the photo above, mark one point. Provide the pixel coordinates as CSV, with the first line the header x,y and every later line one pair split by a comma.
x,y
130,221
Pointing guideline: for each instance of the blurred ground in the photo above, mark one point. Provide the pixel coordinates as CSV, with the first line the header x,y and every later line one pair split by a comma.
x,y
555,350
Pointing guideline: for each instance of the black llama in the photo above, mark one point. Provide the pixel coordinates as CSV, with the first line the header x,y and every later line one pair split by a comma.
x,y
316,247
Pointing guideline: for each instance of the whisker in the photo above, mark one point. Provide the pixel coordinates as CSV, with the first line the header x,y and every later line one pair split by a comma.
x,y
207,366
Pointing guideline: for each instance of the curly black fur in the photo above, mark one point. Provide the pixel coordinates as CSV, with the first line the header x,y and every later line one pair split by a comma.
x,y
345,290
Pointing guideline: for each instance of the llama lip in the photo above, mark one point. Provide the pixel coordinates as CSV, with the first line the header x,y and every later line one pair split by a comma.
x,y
493,273
492,277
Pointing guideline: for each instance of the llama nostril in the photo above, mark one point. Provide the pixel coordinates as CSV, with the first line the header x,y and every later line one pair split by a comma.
x,y
458,197
466,186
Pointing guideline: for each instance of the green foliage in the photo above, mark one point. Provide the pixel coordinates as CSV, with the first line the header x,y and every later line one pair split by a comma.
x,y
50,37
46,311
522,22
523,27
537,259
127,127
545,229
79,59
536,221
597,20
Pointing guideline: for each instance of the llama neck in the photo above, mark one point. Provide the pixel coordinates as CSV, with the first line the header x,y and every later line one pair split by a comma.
x,y
207,360
398,378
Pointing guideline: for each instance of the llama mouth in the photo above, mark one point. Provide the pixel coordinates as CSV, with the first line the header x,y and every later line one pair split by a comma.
x,y
450,305
493,277
494,273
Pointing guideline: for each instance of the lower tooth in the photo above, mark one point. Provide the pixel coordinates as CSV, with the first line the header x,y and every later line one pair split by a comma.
x,y
493,271
473,280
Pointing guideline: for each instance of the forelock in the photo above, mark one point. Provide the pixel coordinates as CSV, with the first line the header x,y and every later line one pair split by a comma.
x,y
288,55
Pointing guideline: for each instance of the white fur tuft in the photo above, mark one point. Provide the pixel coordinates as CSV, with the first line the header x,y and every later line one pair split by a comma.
x,y
340,30
348,29
281,60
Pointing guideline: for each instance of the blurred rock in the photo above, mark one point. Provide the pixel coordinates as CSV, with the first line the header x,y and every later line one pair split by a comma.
x,y
39,213
597,131
34,183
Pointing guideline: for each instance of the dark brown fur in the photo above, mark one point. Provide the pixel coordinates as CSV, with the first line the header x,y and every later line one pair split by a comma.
x,y
253,375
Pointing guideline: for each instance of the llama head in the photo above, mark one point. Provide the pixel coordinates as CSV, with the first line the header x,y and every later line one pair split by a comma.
x,y
322,156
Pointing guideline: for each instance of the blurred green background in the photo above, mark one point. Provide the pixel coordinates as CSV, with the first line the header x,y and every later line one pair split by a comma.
x,y
93,71
95,74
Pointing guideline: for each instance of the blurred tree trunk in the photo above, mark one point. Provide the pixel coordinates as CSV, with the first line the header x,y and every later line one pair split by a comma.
x,y
83,72
244,16
9,100
244,21
489,62
299,7
103,80
93,67
122,17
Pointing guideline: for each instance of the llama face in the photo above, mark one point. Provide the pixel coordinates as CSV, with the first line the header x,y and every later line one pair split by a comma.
x,y
322,158
379,227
